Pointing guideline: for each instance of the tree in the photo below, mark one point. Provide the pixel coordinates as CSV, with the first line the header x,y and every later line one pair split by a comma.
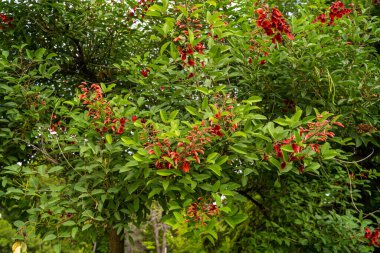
x,y
239,120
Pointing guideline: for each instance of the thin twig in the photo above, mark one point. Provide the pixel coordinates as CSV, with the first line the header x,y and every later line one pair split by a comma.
x,y
358,161
377,211
352,197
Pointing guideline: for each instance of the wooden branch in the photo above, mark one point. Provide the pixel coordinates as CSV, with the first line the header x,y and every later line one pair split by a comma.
x,y
262,208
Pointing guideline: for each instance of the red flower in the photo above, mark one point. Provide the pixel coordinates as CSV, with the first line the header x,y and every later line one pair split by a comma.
x,y
322,18
277,37
301,169
275,24
186,167
191,62
120,130
277,149
189,50
216,131
367,233
183,56
200,47
260,11
145,72
134,118
296,148
339,124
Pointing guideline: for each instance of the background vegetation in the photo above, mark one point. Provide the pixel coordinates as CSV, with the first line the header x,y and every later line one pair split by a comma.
x,y
192,126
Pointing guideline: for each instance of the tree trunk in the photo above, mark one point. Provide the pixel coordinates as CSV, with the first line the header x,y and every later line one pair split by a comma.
x,y
115,242
156,230
163,250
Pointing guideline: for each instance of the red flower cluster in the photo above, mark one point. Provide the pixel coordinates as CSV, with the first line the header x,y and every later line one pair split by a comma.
x,y
374,237
258,49
99,110
201,211
225,117
141,6
337,11
198,27
273,24
192,147
4,19
182,153
316,131
365,129
193,24
55,124
188,52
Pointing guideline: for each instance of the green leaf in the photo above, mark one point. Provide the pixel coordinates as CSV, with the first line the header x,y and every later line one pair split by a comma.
x,y
50,56
281,122
55,169
216,169
133,187
221,160
127,141
19,223
211,157
205,103
216,186
109,138
275,162
154,192
239,134
74,232
80,188
173,115
253,99
39,53
238,149
86,226
69,223
163,48
49,237
204,90
5,54
297,116
29,54
164,173
287,148
157,151
163,116
261,137
165,184
42,69
191,110
236,219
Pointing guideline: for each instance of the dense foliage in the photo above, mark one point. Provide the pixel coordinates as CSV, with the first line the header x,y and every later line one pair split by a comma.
x,y
204,126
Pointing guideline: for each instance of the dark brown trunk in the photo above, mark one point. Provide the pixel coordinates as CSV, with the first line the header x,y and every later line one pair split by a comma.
x,y
115,242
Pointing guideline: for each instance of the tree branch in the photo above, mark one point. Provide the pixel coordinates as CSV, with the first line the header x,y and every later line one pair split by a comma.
x,y
262,208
